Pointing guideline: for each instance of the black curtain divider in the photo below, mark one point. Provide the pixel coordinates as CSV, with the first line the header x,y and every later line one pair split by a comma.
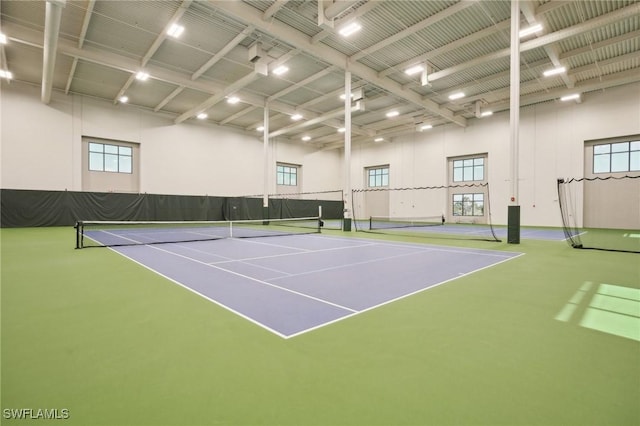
x,y
31,208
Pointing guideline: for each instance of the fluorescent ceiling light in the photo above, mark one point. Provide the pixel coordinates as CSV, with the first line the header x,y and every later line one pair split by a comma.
x,y
570,97
142,76
6,74
296,117
486,114
455,96
549,73
202,116
306,138
414,70
342,130
280,70
426,127
175,30
349,29
260,128
233,100
391,114
3,38
124,99
378,139
530,30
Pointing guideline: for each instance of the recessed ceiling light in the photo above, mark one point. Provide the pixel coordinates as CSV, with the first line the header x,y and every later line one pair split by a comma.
x,y
306,138
175,30
414,70
426,127
202,116
342,130
260,128
391,114
555,71
124,99
349,29
570,97
280,70
233,100
6,74
378,139
530,30
455,96
296,117
142,76
486,114
3,38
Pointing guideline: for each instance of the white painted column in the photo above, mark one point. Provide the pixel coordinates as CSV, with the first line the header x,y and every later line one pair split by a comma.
x,y
265,159
348,213
514,117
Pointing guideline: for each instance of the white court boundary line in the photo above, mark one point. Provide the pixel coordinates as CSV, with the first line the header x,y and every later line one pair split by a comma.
x,y
403,296
353,311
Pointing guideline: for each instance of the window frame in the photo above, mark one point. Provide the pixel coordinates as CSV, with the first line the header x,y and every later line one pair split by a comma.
x,y
380,176
284,174
475,200
462,164
605,153
120,155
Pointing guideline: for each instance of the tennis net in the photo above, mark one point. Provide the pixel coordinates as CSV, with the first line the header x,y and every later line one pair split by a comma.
x,y
601,213
129,233
462,211
388,222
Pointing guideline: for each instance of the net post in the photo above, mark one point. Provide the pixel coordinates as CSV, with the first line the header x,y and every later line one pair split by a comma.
x,y
513,224
77,227
230,229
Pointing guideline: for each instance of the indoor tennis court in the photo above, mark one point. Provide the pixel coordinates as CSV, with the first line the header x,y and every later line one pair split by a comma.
x,y
290,285
320,212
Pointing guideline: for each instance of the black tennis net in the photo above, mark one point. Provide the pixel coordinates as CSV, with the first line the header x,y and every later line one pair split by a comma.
x,y
129,233
388,222
601,213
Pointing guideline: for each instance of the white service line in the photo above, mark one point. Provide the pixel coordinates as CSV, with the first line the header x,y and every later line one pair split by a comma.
x,y
255,279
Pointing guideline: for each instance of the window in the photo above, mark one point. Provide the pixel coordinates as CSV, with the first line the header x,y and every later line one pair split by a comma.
x,y
110,158
469,169
286,175
468,204
378,176
616,157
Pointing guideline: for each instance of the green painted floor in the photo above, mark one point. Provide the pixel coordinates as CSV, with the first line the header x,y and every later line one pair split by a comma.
x,y
92,338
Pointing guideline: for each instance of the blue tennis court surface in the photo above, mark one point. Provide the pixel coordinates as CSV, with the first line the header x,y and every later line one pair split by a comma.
x,y
290,285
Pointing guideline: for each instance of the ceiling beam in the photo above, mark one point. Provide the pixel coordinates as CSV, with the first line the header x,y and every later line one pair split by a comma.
x,y
155,45
273,9
338,8
231,88
544,40
407,32
367,7
223,52
81,39
553,51
113,60
299,40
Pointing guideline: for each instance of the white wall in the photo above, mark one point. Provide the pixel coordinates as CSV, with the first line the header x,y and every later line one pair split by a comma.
x,y
41,148
551,145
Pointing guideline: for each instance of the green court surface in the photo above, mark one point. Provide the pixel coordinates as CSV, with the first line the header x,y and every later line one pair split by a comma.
x,y
548,338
